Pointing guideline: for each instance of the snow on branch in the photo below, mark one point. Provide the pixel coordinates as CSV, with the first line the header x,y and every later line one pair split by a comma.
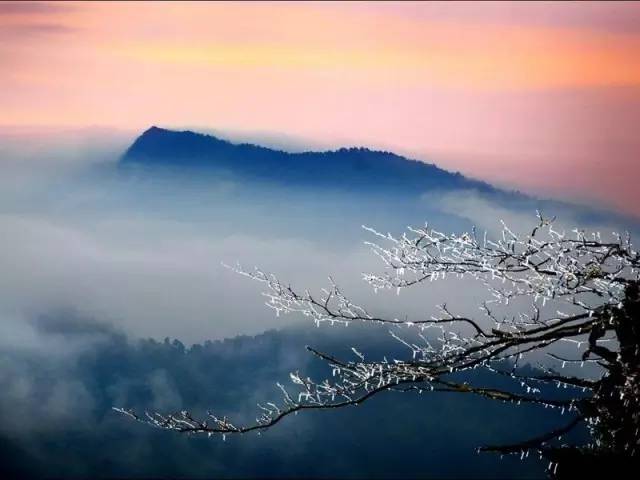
x,y
564,286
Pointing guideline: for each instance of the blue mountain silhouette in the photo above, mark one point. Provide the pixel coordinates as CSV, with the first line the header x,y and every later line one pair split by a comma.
x,y
379,174
346,168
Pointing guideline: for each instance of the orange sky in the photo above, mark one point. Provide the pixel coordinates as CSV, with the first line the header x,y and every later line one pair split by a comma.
x,y
539,96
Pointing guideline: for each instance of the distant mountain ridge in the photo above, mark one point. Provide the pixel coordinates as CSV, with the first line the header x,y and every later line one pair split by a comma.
x,y
346,168
384,175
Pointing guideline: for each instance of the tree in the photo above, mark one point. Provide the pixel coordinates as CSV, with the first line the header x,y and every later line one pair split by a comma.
x,y
550,291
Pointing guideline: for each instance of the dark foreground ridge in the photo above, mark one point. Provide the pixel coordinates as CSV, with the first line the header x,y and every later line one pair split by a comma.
x,y
64,426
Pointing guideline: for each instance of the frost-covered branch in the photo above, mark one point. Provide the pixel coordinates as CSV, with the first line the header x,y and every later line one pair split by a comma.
x,y
547,288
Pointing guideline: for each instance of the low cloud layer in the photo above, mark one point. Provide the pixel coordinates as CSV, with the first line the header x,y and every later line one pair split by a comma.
x,y
97,268
145,253
56,418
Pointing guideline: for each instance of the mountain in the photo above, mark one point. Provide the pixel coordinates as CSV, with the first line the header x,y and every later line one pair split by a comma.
x,y
378,174
346,168
64,427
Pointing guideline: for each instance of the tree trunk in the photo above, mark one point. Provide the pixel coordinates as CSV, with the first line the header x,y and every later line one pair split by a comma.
x,y
614,407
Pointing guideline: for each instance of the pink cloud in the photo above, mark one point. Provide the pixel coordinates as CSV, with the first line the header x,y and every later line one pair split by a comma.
x,y
539,96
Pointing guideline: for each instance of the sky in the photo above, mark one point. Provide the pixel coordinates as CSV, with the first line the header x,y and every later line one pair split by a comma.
x,y
543,97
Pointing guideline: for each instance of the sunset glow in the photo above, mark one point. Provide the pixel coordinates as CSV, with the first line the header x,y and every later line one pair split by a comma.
x,y
508,92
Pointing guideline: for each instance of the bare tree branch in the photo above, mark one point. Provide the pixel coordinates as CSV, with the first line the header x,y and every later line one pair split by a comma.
x,y
546,288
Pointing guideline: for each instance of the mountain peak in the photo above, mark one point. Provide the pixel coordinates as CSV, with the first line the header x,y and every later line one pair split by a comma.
x,y
154,130
354,168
